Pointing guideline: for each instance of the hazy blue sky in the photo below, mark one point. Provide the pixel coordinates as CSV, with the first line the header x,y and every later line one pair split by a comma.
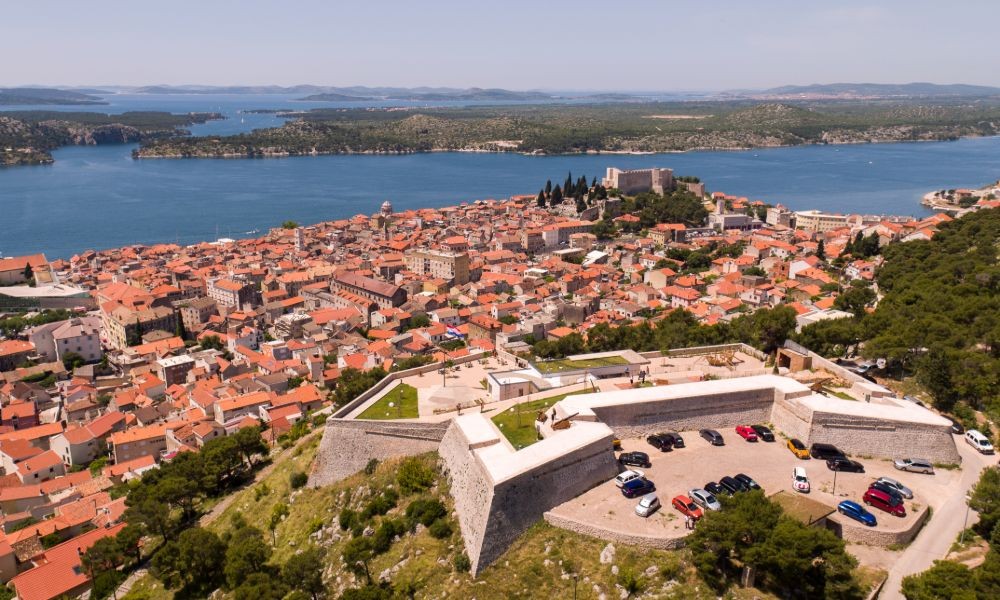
x,y
553,44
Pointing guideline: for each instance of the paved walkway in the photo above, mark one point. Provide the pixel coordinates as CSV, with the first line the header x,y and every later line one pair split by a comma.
x,y
943,529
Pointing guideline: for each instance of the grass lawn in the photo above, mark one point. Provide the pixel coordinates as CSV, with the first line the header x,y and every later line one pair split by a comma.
x,y
404,400
560,365
839,394
525,435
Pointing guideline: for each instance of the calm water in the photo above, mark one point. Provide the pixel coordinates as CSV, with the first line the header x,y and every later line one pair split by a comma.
x,y
98,197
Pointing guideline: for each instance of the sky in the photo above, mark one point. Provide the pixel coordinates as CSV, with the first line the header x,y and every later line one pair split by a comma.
x,y
626,45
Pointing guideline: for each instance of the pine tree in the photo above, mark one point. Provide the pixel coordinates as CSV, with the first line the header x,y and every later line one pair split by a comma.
x,y
548,187
541,199
28,273
556,197
568,184
821,250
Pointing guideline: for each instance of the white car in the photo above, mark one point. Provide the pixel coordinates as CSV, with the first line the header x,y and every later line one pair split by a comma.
x,y
704,499
800,482
627,476
648,505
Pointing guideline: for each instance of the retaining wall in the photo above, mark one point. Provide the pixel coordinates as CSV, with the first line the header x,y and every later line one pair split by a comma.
x,y
617,537
471,489
856,533
883,438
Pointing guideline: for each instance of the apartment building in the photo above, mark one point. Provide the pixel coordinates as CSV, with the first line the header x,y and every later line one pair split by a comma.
x,y
453,266
385,295
232,293
820,222
124,326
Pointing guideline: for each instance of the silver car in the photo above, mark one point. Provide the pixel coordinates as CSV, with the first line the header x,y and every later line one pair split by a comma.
x,y
648,505
914,465
704,499
899,487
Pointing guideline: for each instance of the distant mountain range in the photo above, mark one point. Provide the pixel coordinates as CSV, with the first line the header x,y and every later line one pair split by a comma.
x,y
45,96
879,90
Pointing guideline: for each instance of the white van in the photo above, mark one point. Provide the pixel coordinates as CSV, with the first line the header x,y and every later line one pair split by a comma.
x,y
978,441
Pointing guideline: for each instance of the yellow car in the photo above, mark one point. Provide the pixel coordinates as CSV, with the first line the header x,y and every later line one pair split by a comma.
x,y
798,448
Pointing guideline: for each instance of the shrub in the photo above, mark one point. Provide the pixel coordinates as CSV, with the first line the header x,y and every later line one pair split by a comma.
x,y
462,563
414,476
347,519
318,420
260,491
315,524
440,529
379,505
425,511
371,466
385,533
297,479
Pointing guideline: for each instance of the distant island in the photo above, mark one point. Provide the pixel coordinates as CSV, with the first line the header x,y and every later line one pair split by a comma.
x,y
584,128
877,90
46,96
28,137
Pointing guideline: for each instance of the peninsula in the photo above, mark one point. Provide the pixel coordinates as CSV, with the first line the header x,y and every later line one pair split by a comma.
x,y
28,137
605,127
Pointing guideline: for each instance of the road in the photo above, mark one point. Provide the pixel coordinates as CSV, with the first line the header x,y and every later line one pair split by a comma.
x,y
946,523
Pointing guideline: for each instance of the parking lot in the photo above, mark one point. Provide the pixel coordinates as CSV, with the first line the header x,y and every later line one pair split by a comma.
x,y
769,463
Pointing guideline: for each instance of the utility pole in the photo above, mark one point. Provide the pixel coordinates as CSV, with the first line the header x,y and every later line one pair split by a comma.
x,y
835,484
965,524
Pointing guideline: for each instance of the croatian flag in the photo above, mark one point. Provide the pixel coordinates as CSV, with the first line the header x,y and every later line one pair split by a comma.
x,y
454,332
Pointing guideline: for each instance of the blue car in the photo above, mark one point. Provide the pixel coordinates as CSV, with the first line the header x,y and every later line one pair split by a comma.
x,y
856,512
638,487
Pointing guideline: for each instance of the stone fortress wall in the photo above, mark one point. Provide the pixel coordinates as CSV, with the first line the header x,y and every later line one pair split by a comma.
x,y
499,493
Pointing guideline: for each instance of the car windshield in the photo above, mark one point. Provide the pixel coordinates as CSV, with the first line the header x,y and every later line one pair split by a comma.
x,y
800,478
692,506
709,499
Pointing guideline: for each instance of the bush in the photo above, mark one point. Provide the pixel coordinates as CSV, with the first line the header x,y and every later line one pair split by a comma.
x,y
414,476
260,491
379,505
385,533
440,529
371,466
462,563
315,524
425,511
318,420
347,519
298,479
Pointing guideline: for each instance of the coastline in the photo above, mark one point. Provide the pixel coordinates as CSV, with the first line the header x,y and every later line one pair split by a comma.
x,y
137,154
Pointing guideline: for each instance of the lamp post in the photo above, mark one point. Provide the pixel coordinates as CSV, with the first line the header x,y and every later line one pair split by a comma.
x,y
835,484
965,523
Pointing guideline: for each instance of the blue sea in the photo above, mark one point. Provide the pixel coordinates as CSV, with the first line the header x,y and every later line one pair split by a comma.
x,y
99,197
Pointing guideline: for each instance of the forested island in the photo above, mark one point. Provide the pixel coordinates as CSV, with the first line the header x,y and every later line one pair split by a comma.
x,y
616,128
25,96
28,137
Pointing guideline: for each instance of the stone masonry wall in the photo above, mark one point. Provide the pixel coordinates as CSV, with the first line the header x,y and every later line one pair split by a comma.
x,y
856,533
472,490
520,502
618,537
347,446
791,419
687,414
884,439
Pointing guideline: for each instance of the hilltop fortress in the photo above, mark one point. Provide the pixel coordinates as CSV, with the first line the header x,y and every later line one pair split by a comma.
x,y
500,492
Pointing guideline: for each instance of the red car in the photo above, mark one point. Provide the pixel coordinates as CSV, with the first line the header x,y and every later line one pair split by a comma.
x,y
883,501
746,432
687,507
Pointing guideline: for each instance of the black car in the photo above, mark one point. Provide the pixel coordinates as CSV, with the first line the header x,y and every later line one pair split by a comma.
x,y
712,437
674,437
732,485
956,427
638,487
660,443
637,459
825,451
888,489
747,481
842,463
715,489
763,432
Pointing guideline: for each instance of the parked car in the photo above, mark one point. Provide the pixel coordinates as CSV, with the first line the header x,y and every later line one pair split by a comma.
x,y
901,489
914,465
627,476
798,448
856,512
883,501
647,505
716,490
705,499
747,481
675,438
687,507
885,489
956,427
638,459
638,487
712,437
660,443
732,486
825,451
800,482
763,433
978,441
845,464
746,432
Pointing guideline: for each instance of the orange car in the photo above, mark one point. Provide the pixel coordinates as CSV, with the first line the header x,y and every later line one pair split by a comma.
x,y
687,507
798,449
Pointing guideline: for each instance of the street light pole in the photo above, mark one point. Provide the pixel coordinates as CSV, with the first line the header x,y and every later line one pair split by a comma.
x,y
965,523
835,484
